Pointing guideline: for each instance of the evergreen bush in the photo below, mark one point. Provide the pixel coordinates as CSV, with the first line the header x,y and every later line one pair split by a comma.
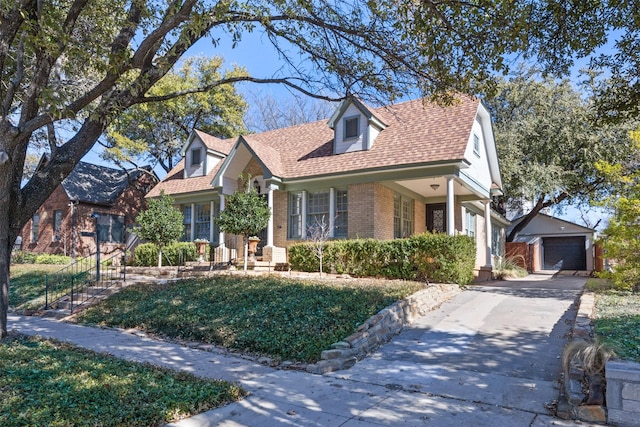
x,y
146,254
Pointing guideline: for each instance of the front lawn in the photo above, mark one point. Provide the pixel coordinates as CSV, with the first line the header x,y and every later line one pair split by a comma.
x,y
617,320
27,284
50,383
285,319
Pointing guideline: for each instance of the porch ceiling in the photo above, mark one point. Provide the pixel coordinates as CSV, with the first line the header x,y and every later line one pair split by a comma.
x,y
436,187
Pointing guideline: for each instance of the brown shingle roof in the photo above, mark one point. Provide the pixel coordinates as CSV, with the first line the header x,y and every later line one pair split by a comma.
x,y
416,133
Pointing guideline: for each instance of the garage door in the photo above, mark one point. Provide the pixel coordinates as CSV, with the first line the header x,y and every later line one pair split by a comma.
x,y
564,253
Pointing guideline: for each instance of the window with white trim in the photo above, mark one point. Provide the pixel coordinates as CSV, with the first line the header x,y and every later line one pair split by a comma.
x,y
186,212
202,222
341,225
317,208
196,156
351,127
295,215
476,144
470,220
496,240
402,216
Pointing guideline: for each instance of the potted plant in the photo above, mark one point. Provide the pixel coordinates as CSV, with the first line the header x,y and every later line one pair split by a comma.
x,y
253,247
201,248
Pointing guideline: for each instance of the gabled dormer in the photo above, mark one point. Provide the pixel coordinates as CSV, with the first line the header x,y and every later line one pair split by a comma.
x,y
355,127
201,153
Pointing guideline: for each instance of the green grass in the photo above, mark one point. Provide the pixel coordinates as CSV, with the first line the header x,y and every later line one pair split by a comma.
x,y
617,318
27,284
50,383
285,319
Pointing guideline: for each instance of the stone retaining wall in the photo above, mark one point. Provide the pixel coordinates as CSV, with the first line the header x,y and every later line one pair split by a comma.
x,y
380,328
623,392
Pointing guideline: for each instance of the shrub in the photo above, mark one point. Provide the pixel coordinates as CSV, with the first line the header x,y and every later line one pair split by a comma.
x,y
146,254
509,267
433,257
23,257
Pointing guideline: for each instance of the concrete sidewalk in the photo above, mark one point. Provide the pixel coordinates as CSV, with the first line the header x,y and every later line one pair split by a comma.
x,y
420,378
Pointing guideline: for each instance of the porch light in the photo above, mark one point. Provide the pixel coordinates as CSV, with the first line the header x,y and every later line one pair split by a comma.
x,y
256,185
435,186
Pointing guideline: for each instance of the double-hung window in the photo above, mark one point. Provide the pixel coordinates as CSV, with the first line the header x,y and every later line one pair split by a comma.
x,y
313,209
402,216
470,223
186,212
318,209
341,217
202,221
295,215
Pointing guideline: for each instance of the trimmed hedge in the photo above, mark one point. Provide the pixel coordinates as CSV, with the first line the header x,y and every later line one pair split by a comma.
x,y
23,257
146,254
433,257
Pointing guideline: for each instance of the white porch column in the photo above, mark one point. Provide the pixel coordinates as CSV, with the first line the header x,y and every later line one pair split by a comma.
x,y
221,234
487,222
451,224
193,221
304,215
211,221
270,223
332,211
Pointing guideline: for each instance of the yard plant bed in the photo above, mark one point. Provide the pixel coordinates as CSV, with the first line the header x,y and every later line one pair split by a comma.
x,y
49,383
285,319
618,322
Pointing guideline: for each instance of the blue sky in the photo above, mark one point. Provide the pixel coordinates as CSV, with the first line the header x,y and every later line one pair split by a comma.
x,y
259,57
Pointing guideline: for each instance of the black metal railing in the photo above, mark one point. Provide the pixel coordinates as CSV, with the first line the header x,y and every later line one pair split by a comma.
x,y
83,280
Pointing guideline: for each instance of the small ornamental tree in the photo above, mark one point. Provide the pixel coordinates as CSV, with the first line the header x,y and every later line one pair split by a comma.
x,y
318,234
245,214
161,223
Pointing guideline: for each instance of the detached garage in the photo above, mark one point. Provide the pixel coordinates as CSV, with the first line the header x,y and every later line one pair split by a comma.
x,y
556,244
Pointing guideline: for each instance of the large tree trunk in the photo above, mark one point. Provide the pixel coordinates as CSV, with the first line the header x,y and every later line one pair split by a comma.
x,y
540,204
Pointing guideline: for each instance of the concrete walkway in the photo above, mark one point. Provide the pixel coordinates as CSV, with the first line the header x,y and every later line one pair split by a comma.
x,y
489,357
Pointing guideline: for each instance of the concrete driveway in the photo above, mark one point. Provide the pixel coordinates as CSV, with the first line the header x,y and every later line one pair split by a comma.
x,y
491,355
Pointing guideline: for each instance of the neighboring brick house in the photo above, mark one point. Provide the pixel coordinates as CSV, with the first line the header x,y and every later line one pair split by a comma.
x,y
379,173
115,195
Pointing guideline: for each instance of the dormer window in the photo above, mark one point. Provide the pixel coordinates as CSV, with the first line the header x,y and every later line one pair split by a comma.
x,y
196,156
351,127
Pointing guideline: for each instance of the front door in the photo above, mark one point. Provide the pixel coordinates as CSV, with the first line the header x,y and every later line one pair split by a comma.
x,y
437,218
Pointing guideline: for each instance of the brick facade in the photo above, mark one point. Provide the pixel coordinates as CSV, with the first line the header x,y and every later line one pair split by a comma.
x,y
129,203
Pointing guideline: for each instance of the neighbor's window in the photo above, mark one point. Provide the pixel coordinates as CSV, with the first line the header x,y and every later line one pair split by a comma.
x,y
295,215
351,127
471,223
111,228
196,157
341,224
57,225
35,225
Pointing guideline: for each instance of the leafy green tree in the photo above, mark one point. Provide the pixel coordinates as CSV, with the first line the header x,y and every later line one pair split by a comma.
x,y
621,240
548,142
157,131
161,223
245,213
69,68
